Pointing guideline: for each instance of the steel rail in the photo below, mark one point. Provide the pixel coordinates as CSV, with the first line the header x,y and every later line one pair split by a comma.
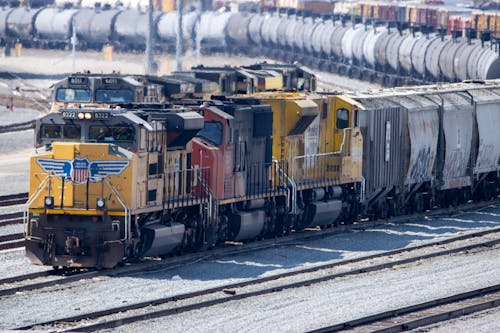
x,y
11,218
423,314
228,292
231,249
13,199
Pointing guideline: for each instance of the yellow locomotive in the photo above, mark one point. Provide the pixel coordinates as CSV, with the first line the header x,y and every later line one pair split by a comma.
x,y
110,184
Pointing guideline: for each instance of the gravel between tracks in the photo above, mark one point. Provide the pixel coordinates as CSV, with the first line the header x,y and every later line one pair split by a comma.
x,y
11,229
104,292
345,299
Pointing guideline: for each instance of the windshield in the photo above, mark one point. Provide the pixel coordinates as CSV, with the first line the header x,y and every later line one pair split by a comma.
x,y
111,133
73,95
114,96
212,131
51,131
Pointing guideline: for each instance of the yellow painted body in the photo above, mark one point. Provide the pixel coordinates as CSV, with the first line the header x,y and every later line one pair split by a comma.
x,y
74,199
307,141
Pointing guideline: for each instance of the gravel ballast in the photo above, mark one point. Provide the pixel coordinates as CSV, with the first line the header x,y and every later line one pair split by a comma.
x,y
104,292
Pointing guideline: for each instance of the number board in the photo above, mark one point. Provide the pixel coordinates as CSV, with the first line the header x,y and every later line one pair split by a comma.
x,y
110,80
77,80
102,115
69,114
95,115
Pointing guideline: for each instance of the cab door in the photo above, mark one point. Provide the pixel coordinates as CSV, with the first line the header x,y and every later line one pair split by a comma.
x,y
343,115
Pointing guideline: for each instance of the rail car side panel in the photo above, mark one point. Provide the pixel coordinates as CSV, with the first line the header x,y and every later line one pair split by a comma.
x,y
382,144
457,124
423,128
487,119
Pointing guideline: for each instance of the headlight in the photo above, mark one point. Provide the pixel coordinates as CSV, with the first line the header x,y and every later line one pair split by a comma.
x,y
88,115
49,202
81,115
100,203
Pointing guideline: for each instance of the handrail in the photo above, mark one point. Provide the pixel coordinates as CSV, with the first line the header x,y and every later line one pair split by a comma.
x,y
28,203
127,211
292,183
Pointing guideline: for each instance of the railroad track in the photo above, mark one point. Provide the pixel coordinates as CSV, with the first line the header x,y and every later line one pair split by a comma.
x,y
173,305
423,314
17,127
25,282
11,218
13,199
11,241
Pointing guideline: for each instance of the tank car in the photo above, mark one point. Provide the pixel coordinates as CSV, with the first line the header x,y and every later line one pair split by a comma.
x,y
336,41
316,47
461,60
20,25
358,44
130,29
447,58
381,49
370,44
392,51
95,27
488,66
254,29
54,27
310,25
270,37
418,55
4,14
405,53
347,41
166,29
211,31
82,25
237,33
432,59
281,31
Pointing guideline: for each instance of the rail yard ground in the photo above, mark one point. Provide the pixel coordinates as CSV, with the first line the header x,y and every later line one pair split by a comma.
x,y
299,309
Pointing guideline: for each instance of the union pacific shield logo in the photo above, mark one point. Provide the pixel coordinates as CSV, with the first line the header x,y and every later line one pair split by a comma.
x,y
79,170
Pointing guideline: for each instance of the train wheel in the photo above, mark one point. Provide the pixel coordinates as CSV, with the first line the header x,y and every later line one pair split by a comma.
x,y
391,203
465,196
491,190
454,198
373,212
419,202
429,201
383,210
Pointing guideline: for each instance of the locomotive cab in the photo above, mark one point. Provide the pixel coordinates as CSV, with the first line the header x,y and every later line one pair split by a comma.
x,y
90,125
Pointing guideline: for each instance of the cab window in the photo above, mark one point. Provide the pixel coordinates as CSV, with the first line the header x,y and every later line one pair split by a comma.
x,y
342,118
114,96
71,132
212,131
111,133
50,131
69,95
